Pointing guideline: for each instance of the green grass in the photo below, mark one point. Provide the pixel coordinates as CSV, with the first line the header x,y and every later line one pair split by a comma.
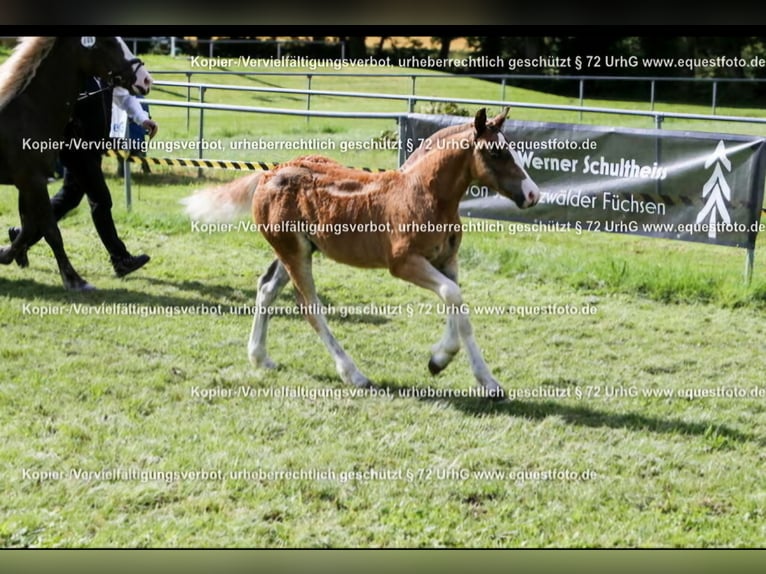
x,y
94,392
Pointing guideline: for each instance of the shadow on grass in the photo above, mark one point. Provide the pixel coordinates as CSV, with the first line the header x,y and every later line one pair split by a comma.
x,y
227,300
580,415
28,289
232,296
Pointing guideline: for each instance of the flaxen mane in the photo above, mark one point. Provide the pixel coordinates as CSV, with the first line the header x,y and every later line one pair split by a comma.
x,y
19,69
431,142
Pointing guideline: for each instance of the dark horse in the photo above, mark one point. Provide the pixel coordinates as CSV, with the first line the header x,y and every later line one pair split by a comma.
x,y
39,84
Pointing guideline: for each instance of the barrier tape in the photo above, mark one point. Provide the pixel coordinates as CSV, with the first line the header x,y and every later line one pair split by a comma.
x,y
266,166
211,163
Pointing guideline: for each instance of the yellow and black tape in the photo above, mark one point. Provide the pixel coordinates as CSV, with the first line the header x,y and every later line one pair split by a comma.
x,y
266,166
211,163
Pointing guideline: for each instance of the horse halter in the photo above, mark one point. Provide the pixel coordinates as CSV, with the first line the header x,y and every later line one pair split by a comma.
x,y
134,64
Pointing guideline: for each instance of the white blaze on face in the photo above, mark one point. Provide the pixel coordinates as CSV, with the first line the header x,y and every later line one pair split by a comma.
x,y
528,187
144,80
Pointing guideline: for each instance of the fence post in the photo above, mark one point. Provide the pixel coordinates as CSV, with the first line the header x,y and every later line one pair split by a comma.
x,y
308,98
402,136
749,261
172,46
651,94
502,90
715,95
582,95
126,172
188,99
201,126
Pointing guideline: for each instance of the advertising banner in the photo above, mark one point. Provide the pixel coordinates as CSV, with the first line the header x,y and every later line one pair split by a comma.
x,y
686,185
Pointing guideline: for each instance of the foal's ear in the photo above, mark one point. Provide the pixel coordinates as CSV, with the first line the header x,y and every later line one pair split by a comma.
x,y
480,121
499,119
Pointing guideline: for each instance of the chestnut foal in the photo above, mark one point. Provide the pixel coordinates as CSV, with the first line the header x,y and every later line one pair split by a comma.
x,y
405,220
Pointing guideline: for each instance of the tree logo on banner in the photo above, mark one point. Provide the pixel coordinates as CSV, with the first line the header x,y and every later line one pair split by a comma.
x,y
717,192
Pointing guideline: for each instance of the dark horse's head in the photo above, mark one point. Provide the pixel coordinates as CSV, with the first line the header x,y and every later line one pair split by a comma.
x,y
109,58
498,166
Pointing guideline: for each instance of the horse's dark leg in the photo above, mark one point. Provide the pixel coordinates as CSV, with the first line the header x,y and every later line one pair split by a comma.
x,y
62,203
448,346
24,238
418,270
37,219
270,285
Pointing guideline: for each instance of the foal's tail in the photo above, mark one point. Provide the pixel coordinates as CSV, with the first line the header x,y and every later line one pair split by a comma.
x,y
222,203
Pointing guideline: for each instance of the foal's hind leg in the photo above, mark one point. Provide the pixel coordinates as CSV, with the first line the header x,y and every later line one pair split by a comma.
x,y
298,265
270,285
418,270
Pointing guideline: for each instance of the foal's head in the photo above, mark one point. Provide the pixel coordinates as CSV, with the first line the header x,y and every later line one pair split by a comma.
x,y
498,166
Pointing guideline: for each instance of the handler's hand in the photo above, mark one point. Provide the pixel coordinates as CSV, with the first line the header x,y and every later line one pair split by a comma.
x,y
151,127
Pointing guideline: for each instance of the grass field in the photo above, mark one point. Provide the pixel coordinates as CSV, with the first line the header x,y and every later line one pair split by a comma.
x,y
130,416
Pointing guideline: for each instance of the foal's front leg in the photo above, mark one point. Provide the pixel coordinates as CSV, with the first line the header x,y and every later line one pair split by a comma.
x,y
445,350
418,270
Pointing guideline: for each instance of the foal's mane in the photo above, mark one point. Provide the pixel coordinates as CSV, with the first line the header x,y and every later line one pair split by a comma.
x,y
20,67
432,142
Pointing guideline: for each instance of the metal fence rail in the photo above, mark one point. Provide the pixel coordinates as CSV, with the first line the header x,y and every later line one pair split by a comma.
x,y
201,106
505,79
411,99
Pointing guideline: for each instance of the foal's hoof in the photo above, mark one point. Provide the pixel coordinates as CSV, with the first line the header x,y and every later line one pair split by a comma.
x,y
359,381
440,359
496,394
435,368
262,362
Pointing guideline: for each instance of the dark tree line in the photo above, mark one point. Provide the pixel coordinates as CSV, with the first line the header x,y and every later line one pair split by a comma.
x,y
599,46
605,54
635,51
601,54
